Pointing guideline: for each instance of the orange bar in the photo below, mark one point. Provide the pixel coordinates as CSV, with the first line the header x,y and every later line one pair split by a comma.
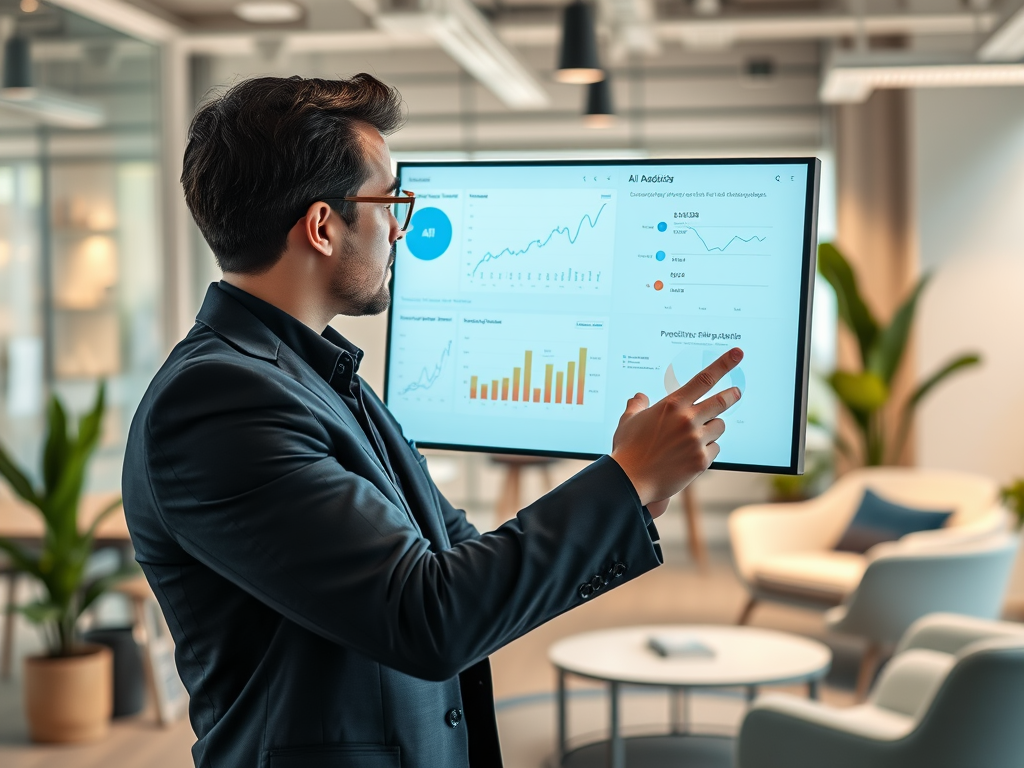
x,y
504,388
547,382
582,376
536,394
570,380
494,389
558,386
483,391
527,367
515,383
472,387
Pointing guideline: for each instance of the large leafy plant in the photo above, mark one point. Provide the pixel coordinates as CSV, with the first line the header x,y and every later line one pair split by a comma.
x,y
60,563
866,393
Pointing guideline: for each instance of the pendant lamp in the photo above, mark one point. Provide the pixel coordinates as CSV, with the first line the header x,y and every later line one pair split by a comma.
x,y
578,63
17,67
600,112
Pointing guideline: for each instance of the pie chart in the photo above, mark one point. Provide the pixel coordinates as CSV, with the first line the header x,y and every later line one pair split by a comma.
x,y
429,234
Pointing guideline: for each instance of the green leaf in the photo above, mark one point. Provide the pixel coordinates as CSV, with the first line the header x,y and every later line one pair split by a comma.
x,y
103,515
22,559
89,425
959,363
887,354
56,450
18,481
104,583
41,612
860,392
954,365
852,310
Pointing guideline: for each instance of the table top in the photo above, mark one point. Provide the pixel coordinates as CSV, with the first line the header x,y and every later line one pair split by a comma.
x,y
19,520
743,656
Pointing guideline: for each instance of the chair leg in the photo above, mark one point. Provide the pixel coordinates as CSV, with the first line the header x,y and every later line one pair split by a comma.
x,y
868,668
7,643
508,504
747,610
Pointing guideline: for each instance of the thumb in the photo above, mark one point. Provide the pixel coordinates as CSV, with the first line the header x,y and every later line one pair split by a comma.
x,y
634,405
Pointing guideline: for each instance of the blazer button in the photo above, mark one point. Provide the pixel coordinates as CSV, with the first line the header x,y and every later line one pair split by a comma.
x,y
586,590
597,582
618,569
453,718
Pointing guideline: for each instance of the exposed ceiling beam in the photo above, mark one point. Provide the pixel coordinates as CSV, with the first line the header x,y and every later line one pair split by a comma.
x,y
1007,42
145,23
724,31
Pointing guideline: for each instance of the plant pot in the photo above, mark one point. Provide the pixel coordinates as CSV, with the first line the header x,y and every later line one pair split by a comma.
x,y
70,698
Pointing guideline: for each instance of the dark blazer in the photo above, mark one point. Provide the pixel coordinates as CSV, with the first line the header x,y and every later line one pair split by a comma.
x,y
321,615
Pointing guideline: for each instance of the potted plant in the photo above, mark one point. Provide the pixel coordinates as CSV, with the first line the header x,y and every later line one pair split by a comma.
x,y
866,393
69,689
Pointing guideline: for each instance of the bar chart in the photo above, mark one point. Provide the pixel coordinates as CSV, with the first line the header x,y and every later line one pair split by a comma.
x,y
566,386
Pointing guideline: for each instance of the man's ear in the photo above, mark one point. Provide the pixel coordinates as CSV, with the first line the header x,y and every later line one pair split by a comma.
x,y
314,227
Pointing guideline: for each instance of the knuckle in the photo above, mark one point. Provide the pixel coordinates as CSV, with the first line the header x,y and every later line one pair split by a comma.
x,y
706,379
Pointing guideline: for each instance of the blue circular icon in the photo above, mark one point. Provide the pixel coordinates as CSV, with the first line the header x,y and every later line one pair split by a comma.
x,y
662,226
429,234
660,255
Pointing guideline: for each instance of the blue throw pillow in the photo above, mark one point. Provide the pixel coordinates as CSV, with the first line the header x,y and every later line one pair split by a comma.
x,y
878,520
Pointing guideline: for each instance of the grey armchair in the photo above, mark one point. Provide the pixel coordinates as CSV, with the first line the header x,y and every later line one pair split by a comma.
x,y
950,698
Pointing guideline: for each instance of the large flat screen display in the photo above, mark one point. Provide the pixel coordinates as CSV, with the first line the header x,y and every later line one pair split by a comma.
x,y
530,300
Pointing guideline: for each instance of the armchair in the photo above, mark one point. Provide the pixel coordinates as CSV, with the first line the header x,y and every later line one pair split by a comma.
x,y
950,697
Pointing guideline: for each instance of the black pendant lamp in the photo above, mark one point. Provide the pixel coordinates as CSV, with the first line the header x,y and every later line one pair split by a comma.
x,y
578,62
600,112
17,66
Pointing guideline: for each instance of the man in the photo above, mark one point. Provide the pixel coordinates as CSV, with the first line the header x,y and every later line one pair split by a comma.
x,y
329,607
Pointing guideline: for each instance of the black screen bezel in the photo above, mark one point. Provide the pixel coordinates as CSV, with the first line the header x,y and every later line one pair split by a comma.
x,y
809,260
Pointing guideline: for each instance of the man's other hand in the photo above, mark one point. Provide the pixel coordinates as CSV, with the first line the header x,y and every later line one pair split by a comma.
x,y
663,448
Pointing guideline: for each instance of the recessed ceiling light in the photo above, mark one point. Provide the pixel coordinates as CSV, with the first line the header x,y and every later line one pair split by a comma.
x,y
268,11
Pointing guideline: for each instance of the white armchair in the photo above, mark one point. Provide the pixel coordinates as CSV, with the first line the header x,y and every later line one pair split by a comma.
x,y
784,552
951,697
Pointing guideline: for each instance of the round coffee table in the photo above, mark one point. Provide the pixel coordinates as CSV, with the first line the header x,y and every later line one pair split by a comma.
x,y
743,657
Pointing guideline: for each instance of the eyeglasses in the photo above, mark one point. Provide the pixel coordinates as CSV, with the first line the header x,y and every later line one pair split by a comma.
x,y
401,207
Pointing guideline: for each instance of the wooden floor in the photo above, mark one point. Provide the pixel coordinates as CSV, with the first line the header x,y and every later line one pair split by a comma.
x,y
678,592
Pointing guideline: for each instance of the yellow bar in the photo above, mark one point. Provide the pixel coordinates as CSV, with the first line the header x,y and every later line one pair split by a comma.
x,y
527,367
515,383
483,391
582,376
536,394
558,386
494,389
472,387
570,377
547,382
504,388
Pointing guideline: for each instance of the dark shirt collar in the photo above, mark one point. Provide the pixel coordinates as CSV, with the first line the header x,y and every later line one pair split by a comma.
x,y
334,358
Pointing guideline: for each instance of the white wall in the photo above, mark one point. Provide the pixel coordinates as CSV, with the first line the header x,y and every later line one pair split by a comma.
x,y
969,176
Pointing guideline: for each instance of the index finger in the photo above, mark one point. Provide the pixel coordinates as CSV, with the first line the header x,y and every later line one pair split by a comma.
x,y
701,384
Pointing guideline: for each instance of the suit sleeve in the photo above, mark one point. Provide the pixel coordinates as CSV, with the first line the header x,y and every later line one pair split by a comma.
x,y
248,482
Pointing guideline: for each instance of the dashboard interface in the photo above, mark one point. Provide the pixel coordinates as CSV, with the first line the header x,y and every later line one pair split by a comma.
x,y
531,300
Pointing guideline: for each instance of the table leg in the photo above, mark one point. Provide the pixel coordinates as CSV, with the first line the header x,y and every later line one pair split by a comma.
x,y
617,747
812,690
679,716
560,747
751,693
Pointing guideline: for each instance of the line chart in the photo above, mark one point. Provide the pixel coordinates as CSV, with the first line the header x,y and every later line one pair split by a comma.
x,y
721,249
489,256
428,377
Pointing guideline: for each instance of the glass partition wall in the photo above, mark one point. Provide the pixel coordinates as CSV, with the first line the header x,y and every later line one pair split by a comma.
x,y
80,255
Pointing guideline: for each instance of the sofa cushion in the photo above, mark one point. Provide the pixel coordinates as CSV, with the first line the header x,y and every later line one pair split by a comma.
x,y
825,576
879,520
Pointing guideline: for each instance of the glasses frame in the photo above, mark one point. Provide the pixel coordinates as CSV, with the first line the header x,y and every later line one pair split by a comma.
x,y
409,198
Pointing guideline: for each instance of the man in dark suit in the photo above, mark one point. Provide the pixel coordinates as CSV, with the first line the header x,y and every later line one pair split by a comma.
x,y
329,607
